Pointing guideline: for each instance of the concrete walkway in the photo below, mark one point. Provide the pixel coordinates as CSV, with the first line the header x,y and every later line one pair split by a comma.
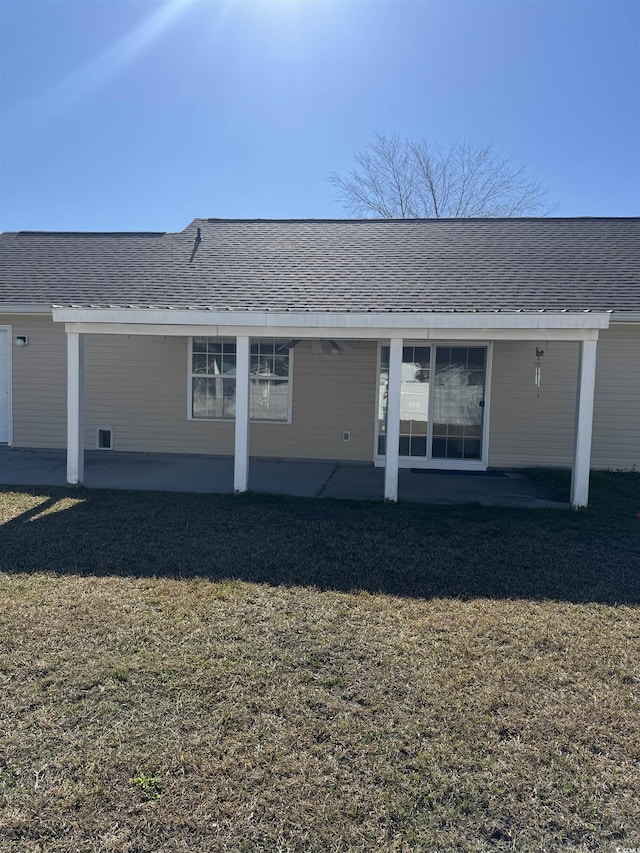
x,y
191,473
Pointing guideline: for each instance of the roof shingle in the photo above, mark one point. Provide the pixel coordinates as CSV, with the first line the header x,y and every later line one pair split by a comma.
x,y
335,265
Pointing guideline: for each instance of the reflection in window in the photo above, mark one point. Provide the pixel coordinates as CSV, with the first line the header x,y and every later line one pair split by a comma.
x,y
458,402
213,378
269,370
213,369
414,400
456,382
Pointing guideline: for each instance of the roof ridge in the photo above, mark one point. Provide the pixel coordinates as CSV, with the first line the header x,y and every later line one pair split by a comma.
x,y
466,220
86,233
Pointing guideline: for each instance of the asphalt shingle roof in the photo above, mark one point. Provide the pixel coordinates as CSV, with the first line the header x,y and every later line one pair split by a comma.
x,y
335,265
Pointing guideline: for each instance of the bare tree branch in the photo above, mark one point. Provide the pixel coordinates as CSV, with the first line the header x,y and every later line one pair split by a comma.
x,y
398,178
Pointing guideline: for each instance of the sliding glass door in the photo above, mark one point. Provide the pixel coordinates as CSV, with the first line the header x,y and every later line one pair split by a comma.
x,y
458,402
441,403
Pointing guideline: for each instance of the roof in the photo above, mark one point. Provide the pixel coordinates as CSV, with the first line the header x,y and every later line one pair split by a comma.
x,y
375,265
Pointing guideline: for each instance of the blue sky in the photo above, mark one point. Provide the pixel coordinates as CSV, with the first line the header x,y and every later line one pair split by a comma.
x,y
140,115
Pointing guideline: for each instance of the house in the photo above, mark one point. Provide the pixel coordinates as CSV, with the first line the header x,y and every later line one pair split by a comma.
x,y
455,344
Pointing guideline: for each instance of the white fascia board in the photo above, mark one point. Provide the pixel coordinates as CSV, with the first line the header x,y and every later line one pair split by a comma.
x,y
315,320
330,332
16,308
625,317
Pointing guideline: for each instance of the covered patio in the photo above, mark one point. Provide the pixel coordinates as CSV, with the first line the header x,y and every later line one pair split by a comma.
x,y
214,474
397,480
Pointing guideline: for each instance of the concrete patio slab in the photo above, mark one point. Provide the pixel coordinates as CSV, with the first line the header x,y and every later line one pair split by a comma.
x,y
487,489
158,472
281,476
442,487
214,474
32,467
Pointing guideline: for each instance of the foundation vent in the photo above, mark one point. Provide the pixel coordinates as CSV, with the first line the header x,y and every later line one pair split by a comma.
x,y
104,438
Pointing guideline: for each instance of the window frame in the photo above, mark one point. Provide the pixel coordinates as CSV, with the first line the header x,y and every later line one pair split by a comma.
x,y
228,420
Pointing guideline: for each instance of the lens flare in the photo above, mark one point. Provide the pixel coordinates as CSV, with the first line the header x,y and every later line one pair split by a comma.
x,y
114,60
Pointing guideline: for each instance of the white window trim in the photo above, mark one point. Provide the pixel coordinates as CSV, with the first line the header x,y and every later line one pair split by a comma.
x,y
9,358
273,422
439,464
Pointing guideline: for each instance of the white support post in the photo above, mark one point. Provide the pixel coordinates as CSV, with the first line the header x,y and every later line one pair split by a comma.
x,y
583,424
241,453
393,420
75,406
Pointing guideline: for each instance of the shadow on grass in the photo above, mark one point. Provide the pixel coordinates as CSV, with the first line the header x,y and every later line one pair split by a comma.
x,y
407,550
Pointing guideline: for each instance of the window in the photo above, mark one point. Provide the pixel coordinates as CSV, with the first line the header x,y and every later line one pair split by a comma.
x,y
269,371
213,379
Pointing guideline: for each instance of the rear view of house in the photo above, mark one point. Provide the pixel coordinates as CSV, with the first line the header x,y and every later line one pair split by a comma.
x,y
452,344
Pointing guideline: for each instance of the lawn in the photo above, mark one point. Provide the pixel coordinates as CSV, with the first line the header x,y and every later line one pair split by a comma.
x,y
208,673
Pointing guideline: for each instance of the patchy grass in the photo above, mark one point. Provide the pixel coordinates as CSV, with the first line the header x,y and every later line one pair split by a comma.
x,y
190,673
613,496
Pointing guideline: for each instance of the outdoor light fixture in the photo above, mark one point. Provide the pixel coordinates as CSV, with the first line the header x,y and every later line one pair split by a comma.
x,y
22,340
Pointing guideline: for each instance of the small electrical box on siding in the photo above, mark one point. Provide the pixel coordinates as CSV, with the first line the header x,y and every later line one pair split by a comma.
x,y
104,438
346,435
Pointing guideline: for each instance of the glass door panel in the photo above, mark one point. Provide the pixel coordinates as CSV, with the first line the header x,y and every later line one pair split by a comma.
x,y
458,402
383,390
414,400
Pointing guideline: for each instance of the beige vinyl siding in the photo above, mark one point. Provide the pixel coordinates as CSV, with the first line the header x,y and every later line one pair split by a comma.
x,y
331,394
531,425
616,417
139,386
39,382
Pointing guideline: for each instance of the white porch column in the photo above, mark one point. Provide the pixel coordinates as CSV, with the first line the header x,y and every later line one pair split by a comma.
x,y
241,453
584,424
393,420
75,394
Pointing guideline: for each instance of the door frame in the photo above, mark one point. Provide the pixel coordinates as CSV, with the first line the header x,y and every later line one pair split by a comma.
x,y
442,464
8,352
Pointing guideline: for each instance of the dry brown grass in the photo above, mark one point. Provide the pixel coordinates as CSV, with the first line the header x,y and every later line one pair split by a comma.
x,y
160,714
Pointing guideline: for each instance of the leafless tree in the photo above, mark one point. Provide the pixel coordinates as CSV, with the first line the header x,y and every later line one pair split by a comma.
x,y
398,178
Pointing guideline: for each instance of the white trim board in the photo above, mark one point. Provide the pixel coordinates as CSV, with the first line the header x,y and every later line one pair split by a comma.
x,y
13,308
625,317
311,320
8,355
331,332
